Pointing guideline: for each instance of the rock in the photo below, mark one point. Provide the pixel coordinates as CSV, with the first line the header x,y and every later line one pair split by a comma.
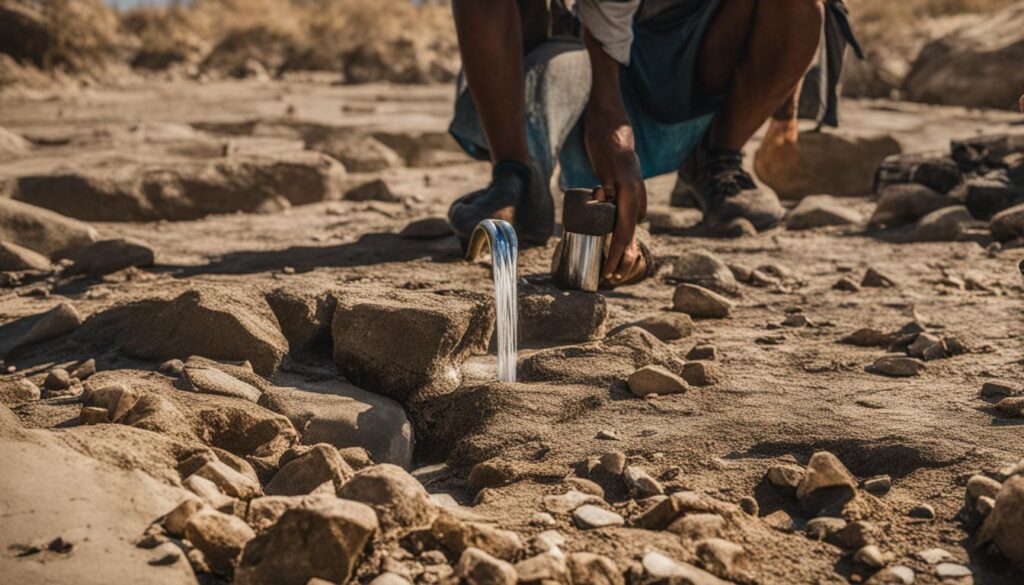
x,y
934,556
611,359
856,535
93,415
951,571
324,538
703,352
825,161
229,481
183,189
998,390
306,473
115,399
57,379
569,501
958,68
943,225
935,170
655,380
922,511
428,228
750,506
903,204
1013,406
375,190
593,569
847,284
491,473
359,154
827,484
697,526
897,366
12,145
984,505
700,302
1008,224
342,415
561,316
373,349
210,380
177,519
704,269
458,535
220,537
589,516
875,279
824,528
585,485
797,320
640,483
83,370
787,476
991,193
56,322
741,227
304,316
702,374
894,575
263,512
922,344
43,231
172,368
401,503
14,390
613,462
722,557
543,568
980,485
210,322
14,257
479,568
382,579
868,337
821,211
165,554
870,556
880,484
660,568
109,256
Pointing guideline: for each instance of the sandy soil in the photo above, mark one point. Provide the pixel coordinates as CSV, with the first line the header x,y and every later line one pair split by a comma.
x,y
785,392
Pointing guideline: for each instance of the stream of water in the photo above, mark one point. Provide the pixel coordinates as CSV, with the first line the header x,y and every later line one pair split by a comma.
x,y
504,254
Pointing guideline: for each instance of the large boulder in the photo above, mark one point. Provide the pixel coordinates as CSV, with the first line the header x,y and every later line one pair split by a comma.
x,y
401,503
401,343
976,66
324,538
1005,523
58,321
43,231
184,190
208,321
342,415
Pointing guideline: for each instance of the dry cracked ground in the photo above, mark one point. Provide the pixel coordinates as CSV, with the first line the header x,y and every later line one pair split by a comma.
x,y
240,343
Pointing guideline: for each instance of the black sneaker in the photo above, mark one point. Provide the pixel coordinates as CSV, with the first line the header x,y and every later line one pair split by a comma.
x,y
715,182
519,194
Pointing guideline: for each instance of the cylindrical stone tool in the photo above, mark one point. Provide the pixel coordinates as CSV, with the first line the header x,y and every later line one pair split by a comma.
x,y
586,225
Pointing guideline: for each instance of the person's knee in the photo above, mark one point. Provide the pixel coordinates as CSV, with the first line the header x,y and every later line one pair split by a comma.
x,y
806,15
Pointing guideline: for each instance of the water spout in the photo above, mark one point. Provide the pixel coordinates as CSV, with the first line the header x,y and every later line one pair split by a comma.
x,y
500,237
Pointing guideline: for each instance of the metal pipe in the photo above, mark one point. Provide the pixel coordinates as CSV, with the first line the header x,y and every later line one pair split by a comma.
x,y
498,235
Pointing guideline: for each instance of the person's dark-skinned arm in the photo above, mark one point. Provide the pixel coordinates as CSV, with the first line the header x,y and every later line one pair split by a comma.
x,y
612,151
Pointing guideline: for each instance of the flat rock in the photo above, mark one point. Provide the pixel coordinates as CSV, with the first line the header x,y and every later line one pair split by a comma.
x,y
304,474
827,484
186,189
1008,224
586,567
325,537
568,502
722,556
401,503
902,204
817,211
697,526
219,536
213,381
640,482
704,269
1012,406
787,476
109,256
666,326
375,190
700,302
655,380
458,535
589,516
428,228
934,556
659,567
14,257
613,358
876,279
58,321
897,366
952,571
943,225
359,154
476,567
343,415
14,390
210,321
561,316
374,350
43,231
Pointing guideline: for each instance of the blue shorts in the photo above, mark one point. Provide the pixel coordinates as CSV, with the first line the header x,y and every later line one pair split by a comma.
x,y
665,104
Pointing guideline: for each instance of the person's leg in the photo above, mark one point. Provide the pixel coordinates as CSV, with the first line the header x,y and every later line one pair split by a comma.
x,y
491,45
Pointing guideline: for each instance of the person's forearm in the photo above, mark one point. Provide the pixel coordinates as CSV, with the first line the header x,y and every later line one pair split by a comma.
x,y
605,95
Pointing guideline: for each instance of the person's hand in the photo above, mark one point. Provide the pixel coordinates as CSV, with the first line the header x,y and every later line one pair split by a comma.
x,y
611,148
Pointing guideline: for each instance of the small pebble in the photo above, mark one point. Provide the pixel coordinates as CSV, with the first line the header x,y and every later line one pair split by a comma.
x,y
924,511
57,379
878,484
750,506
951,571
589,516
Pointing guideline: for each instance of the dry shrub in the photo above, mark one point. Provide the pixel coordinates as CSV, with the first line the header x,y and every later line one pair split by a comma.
x,y
165,37
77,36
